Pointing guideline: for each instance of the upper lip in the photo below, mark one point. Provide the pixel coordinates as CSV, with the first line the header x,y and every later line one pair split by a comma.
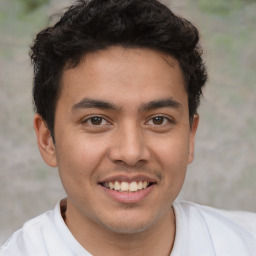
x,y
126,178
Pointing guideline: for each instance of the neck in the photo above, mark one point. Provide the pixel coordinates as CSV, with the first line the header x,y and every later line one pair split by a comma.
x,y
157,240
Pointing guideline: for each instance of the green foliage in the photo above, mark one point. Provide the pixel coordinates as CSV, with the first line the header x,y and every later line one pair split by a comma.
x,y
31,5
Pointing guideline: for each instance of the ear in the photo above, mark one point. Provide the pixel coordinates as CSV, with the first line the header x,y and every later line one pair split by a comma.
x,y
193,130
45,141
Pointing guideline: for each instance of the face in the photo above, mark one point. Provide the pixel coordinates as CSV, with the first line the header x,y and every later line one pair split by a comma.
x,y
122,138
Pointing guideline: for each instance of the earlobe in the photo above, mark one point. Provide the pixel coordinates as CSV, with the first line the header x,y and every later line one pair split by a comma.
x,y
45,142
193,130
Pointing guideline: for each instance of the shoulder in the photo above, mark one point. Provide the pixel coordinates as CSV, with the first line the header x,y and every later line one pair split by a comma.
x,y
27,238
227,231
246,220
45,235
41,236
239,219
243,219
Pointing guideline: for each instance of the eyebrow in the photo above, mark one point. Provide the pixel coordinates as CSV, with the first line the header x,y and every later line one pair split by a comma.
x,y
101,104
169,102
93,103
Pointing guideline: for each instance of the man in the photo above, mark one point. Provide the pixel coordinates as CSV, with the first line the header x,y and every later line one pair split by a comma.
x,y
117,84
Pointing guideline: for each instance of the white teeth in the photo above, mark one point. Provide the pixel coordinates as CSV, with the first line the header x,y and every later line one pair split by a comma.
x,y
140,185
126,186
133,186
117,186
111,185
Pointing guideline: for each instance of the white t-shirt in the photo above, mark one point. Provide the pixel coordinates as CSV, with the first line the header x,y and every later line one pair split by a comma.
x,y
200,231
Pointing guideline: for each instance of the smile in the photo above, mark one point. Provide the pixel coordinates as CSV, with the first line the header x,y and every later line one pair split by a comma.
x,y
123,186
127,189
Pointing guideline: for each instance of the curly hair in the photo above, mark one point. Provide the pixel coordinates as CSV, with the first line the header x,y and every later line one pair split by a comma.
x,y
91,25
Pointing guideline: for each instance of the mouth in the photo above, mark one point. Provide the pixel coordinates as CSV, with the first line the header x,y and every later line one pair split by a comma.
x,y
125,186
126,189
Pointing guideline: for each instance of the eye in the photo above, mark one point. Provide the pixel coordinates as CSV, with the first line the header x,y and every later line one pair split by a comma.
x,y
159,120
96,121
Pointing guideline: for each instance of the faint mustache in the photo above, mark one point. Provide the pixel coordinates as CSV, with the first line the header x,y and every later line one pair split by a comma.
x,y
138,169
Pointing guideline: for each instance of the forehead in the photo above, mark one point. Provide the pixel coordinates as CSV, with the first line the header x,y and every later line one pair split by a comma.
x,y
124,75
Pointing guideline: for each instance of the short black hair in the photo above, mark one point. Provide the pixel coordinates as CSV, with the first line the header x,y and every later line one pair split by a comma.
x,y
91,25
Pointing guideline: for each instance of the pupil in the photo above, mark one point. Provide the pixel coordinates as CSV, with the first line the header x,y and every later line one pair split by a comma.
x,y
158,120
96,120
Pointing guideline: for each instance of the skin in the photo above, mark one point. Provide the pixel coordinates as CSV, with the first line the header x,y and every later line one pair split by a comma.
x,y
141,128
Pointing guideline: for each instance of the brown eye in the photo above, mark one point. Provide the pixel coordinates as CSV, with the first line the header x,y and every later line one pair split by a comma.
x,y
96,120
158,120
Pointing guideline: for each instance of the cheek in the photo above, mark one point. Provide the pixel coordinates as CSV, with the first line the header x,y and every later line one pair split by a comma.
x,y
79,158
82,149
172,153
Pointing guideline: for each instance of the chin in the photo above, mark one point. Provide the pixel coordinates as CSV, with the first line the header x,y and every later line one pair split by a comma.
x,y
128,225
128,229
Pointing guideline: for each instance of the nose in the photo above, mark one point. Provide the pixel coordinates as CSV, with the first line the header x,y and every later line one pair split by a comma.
x,y
129,146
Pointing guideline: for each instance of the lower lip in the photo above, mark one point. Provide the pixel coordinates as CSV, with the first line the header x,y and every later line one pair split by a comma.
x,y
128,197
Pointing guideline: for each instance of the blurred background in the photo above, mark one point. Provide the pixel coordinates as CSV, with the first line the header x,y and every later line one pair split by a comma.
x,y
223,174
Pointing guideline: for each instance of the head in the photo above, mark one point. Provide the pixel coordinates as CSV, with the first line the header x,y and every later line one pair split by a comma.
x,y
116,89
89,26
